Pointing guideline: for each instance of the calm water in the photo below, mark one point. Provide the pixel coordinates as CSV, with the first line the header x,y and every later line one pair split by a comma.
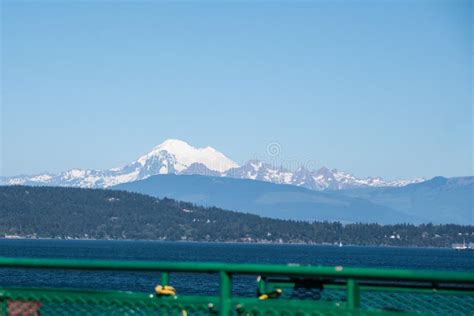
x,y
411,258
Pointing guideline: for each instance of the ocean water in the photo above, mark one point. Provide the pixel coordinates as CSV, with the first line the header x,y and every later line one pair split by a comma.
x,y
378,257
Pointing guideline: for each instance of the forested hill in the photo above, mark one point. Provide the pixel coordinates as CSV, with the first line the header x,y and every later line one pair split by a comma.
x,y
58,212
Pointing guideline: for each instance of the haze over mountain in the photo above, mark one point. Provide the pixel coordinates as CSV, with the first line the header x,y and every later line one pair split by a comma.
x,y
440,200
178,157
267,199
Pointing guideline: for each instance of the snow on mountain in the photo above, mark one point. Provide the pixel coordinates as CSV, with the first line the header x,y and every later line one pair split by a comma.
x,y
257,170
322,179
185,155
200,169
172,156
178,157
347,181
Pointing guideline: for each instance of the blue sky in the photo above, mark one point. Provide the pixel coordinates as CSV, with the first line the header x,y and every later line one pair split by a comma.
x,y
373,88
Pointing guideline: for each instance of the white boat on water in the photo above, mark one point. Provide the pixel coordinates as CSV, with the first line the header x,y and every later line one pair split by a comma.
x,y
463,246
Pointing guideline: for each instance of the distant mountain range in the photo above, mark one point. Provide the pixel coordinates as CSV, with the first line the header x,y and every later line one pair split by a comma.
x,y
440,200
178,157
207,177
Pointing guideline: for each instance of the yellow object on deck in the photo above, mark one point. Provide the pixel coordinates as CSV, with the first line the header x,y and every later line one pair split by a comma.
x,y
273,294
165,290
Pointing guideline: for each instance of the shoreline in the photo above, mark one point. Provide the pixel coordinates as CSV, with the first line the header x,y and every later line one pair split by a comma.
x,y
335,245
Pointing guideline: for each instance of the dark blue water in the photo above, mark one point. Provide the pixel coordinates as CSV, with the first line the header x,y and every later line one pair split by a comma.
x,y
409,258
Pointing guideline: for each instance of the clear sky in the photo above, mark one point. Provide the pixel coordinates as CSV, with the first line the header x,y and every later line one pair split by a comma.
x,y
373,88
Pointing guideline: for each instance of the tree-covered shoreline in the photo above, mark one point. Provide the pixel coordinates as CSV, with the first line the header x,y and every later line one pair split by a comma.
x,y
73,213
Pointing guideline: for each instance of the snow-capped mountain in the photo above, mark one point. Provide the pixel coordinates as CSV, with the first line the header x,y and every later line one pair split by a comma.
x,y
257,170
321,179
182,155
172,156
178,157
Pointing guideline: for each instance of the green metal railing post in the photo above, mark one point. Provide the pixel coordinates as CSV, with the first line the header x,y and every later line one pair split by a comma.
x,y
3,305
165,278
225,293
261,285
353,293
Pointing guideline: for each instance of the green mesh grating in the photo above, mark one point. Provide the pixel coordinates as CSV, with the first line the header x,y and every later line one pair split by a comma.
x,y
67,302
428,303
46,302
71,302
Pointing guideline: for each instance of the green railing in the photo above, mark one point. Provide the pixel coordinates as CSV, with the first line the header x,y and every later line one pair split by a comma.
x,y
279,290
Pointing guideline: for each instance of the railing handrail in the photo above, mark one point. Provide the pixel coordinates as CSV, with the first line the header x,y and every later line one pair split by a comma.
x,y
233,268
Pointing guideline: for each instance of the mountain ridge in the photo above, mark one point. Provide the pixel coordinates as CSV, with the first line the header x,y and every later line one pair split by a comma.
x,y
267,199
444,200
178,157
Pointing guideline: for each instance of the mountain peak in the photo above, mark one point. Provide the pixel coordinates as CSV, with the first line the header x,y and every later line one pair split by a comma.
x,y
172,145
324,171
185,155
